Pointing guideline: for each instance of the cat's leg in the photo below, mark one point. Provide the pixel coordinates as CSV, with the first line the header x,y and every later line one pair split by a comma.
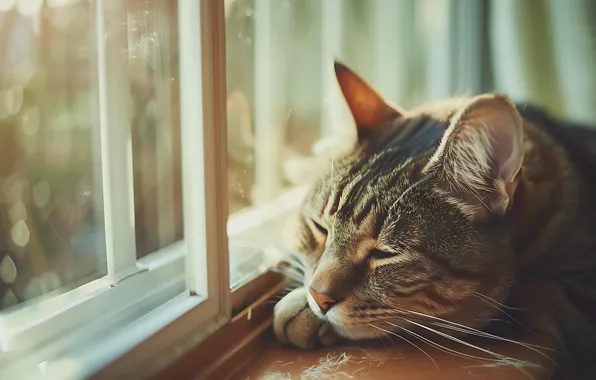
x,y
295,323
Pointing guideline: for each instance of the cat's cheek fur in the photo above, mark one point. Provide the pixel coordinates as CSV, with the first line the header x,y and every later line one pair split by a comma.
x,y
295,323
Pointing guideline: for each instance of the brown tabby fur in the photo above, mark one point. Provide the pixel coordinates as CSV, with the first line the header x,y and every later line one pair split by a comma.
x,y
466,210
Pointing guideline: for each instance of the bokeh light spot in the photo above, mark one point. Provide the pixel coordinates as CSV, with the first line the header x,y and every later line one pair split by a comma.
x,y
29,8
8,270
20,233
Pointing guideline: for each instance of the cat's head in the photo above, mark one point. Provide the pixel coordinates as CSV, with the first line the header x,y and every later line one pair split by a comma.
x,y
415,220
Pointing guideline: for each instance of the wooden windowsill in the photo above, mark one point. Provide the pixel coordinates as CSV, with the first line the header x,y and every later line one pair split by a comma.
x,y
391,360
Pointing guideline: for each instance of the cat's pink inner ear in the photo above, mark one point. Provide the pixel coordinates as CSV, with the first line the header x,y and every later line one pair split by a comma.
x,y
368,108
483,149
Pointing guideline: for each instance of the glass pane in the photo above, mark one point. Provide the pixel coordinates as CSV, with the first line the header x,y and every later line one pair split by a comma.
x,y
51,218
51,202
152,51
264,152
239,77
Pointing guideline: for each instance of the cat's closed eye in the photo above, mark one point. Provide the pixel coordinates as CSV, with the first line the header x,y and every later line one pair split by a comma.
x,y
319,227
377,254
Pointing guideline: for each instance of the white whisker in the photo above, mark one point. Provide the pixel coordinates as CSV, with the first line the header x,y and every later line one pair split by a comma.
x,y
443,320
290,274
495,354
490,302
289,270
446,349
497,302
296,260
472,331
483,334
413,344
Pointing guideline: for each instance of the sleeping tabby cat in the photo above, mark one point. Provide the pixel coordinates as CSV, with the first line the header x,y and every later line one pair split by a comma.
x,y
453,210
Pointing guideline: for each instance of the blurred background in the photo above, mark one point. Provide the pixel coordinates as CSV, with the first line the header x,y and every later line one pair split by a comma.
x,y
285,112
282,91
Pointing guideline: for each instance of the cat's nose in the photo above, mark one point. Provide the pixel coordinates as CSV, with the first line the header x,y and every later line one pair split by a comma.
x,y
324,301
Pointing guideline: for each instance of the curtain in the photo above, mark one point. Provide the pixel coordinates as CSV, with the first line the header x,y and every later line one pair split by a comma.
x,y
544,51
412,51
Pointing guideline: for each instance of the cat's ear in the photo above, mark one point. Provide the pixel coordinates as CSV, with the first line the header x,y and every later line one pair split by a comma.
x,y
481,154
368,108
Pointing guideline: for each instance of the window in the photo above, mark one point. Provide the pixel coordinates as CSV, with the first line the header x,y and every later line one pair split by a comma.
x,y
109,179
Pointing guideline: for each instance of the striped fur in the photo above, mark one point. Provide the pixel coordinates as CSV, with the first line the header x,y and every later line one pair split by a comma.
x,y
428,217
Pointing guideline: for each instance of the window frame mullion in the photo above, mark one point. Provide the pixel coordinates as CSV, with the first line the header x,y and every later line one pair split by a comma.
x,y
213,54
116,141
204,150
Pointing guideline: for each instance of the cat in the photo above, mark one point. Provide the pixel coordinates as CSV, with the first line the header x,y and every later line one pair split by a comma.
x,y
461,209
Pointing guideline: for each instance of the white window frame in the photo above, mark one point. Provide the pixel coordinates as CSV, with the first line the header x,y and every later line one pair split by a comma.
x,y
143,295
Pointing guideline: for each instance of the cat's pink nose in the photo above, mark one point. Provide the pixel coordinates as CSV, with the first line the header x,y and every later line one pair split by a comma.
x,y
323,300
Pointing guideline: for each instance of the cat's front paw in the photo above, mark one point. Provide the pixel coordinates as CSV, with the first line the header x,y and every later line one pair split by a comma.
x,y
295,323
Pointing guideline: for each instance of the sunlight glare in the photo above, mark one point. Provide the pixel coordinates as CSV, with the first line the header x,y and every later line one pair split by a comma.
x,y
29,8
60,3
6,5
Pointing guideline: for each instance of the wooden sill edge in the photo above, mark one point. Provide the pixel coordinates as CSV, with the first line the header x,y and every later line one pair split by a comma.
x,y
250,292
230,349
